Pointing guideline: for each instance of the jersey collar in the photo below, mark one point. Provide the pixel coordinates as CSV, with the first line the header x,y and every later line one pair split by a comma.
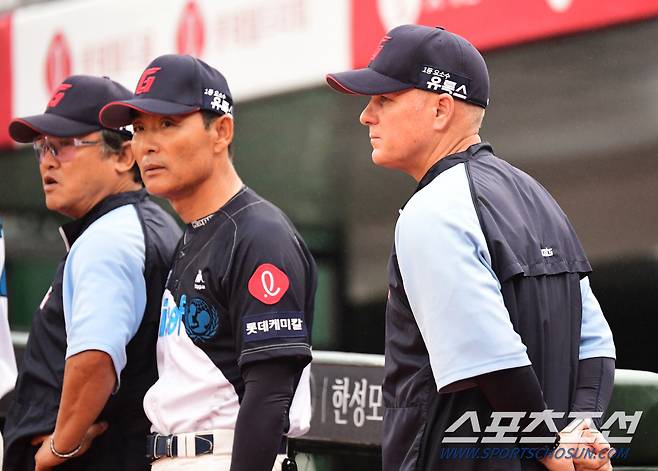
x,y
451,160
235,202
72,230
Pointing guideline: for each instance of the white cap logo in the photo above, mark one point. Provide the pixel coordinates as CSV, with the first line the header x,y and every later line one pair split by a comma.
x,y
399,12
559,5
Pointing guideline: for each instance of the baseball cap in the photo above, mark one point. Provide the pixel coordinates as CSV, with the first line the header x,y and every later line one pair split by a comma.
x,y
72,110
415,56
173,85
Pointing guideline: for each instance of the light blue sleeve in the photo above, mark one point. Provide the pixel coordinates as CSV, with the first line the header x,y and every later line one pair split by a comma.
x,y
452,289
104,290
595,334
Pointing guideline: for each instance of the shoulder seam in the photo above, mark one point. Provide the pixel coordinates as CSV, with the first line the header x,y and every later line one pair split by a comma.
x,y
242,208
142,224
474,200
235,237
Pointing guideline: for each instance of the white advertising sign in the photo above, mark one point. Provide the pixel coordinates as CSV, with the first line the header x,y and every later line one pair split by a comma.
x,y
263,47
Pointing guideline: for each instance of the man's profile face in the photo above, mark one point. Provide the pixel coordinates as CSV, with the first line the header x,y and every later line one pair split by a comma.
x,y
77,177
174,153
399,127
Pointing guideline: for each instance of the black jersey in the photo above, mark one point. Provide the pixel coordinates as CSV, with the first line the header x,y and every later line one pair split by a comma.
x,y
486,274
241,290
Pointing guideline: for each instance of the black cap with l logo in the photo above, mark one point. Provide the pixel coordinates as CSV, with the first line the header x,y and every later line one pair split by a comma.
x,y
173,85
72,110
415,56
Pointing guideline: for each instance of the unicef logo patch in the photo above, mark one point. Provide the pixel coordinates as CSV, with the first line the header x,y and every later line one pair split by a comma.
x,y
201,320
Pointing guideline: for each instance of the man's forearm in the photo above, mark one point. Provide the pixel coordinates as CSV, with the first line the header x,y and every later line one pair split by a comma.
x,y
89,379
269,387
515,390
596,380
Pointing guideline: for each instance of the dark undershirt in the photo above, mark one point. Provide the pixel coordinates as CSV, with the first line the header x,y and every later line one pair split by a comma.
x,y
269,387
596,379
593,390
525,396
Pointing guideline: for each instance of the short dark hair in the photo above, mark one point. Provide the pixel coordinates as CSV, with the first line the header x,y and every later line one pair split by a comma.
x,y
112,144
208,118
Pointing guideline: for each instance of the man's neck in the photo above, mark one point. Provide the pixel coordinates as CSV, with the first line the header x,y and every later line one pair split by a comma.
x,y
444,149
120,186
128,185
208,197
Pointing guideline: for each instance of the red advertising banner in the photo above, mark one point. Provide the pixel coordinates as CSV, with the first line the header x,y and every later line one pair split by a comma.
x,y
5,79
489,23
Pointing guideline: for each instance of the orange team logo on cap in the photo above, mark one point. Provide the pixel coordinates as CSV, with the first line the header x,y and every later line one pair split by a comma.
x,y
146,80
268,284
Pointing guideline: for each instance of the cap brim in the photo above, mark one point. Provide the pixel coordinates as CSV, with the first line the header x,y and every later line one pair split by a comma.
x,y
365,82
26,129
120,113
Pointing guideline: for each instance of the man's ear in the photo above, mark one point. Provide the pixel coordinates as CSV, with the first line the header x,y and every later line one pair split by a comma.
x,y
223,127
125,158
443,108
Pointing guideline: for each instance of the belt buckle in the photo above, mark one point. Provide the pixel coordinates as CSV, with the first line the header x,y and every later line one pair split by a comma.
x,y
155,446
210,444
169,440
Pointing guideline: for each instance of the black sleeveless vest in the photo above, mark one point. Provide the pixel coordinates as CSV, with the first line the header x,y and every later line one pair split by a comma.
x,y
39,386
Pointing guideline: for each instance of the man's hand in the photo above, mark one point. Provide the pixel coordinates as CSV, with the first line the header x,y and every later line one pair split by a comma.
x,y
578,440
46,460
600,448
89,379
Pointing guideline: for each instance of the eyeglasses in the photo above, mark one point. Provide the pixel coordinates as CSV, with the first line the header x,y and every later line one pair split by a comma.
x,y
61,149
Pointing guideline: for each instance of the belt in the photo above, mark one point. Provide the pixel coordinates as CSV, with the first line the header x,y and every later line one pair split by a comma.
x,y
188,445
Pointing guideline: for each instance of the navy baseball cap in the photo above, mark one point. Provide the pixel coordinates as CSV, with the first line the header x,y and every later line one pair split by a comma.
x,y
72,110
415,56
173,85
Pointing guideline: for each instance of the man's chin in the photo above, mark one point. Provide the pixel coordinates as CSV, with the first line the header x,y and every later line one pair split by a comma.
x,y
57,207
52,204
380,160
155,187
159,190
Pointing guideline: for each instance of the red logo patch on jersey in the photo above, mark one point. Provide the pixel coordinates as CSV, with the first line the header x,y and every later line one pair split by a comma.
x,y
268,284
146,80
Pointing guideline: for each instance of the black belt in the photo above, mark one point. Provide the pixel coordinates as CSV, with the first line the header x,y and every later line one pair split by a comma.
x,y
161,446
166,446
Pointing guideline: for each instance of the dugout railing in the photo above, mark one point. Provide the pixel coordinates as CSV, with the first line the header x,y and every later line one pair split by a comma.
x,y
348,409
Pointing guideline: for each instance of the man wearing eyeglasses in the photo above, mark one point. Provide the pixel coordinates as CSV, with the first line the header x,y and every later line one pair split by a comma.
x,y
91,352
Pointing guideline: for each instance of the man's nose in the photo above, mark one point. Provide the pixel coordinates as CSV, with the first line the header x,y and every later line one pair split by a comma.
x,y
145,143
367,116
47,159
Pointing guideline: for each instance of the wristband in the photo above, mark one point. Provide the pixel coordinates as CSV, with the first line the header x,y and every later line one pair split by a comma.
x,y
68,455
